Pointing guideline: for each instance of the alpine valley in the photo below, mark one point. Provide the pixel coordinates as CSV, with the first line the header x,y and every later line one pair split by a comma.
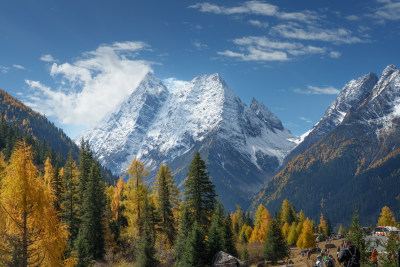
x,y
243,146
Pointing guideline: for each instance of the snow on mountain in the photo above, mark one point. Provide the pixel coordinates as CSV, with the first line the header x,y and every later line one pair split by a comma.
x,y
351,94
157,125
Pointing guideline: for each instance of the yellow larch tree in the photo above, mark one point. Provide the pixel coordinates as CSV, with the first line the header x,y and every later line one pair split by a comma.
x,y
387,217
262,220
322,225
285,229
31,223
134,194
292,234
306,238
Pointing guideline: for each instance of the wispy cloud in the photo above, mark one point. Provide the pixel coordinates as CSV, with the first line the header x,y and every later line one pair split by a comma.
x,y
335,54
256,8
4,69
314,90
352,18
295,31
199,46
256,48
258,23
92,85
18,67
308,120
47,58
390,10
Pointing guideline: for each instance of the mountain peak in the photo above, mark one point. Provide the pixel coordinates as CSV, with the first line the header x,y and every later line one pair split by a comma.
x,y
388,71
266,115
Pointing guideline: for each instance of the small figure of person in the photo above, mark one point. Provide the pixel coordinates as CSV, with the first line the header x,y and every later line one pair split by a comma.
x,y
374,258
319,262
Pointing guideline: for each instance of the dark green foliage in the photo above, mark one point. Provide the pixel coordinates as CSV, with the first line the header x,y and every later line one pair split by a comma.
x,y
275,247
90,242
329,229
358,237
165,204
85,165
69,200
216,239
229,242
199,191
146,251
194,253
248,220
185,226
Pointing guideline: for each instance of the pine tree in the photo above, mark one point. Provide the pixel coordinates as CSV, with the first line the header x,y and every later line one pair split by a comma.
x,y
358,237
90,241
229,240
185,227
146,250
85,164
70,199
199,191
216,240
275,247
168,200
194,253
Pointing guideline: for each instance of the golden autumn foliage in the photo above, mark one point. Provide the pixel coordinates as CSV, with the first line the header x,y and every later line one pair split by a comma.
x,y
262,220
306,238
134,193
322,224
29,220
387,217
285,229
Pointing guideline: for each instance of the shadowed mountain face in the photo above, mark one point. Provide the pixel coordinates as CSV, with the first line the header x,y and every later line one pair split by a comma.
x,y
357,163
243,146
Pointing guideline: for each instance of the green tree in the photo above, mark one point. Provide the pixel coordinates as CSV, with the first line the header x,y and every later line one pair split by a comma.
x,y
199,191
288,214
90,241
358,237
146,250
216,239
185,226
167,201
229,242
85,164
70,199
275,246
194,253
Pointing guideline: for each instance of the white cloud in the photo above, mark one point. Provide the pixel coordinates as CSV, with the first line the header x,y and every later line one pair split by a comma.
x,y
263,49
4,69
258,23
93,85
313,90
173,83
352,17
255,54
256,8
199,46
294,31
305,119
18,67
47,58
389,11
335,54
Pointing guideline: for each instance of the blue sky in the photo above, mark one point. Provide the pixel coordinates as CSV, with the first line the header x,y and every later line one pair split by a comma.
x,y
75,60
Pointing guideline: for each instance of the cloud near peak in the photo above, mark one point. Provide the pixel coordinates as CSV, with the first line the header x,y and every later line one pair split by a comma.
x,y
91,86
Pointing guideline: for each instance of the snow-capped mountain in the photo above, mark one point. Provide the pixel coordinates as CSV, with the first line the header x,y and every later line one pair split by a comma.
x,y
350,95
359,158
243,146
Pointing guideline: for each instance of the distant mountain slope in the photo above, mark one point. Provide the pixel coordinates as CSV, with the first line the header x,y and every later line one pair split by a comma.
x,y
357,163
243,146
32,122
351,94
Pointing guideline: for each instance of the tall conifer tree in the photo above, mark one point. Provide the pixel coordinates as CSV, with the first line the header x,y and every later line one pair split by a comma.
x,y
200,196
